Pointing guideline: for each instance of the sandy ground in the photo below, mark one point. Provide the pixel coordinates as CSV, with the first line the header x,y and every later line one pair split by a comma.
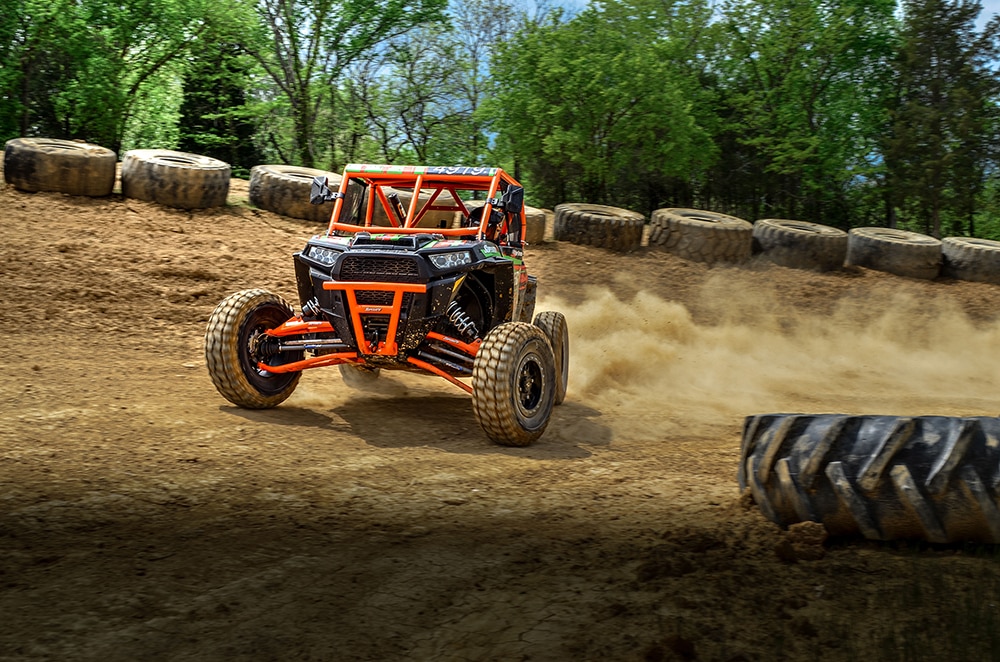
x,y
144,518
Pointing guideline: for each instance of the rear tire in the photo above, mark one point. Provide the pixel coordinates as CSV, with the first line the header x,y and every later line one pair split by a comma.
x,y
63,166
513,384
235,343
885,477
553,325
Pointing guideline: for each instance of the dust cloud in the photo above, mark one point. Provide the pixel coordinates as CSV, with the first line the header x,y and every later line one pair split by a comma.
x,y
646,362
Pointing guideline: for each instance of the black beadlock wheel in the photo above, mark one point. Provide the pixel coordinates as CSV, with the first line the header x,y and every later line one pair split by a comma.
x,y
934,478
513,384
235,343
553,325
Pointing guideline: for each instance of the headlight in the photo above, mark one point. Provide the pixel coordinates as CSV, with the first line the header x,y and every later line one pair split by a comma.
x,y
323,255
451,260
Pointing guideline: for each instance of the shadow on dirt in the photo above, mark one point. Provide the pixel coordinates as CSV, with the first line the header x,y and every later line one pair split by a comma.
x,y
448,424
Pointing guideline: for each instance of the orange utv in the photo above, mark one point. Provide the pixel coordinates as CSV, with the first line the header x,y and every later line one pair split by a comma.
x,y
450,296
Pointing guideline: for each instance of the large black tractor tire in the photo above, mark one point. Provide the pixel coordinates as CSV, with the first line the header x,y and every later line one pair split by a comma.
x,y
898,252
235,343
599,225
553,325
514,383
175,179
284,190
701,236
967,258
933,478
800,244
63,166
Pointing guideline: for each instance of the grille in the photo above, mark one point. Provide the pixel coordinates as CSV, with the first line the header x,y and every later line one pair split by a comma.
x,y
377,298
379,269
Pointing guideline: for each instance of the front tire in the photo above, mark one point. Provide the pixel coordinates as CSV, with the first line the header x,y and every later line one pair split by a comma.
x,y
235,343
514,384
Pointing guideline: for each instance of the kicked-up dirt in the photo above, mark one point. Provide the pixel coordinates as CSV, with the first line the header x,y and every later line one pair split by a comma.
x,y
142,517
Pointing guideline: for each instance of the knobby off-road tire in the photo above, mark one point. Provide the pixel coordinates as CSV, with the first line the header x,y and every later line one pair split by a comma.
x,y
235,327
63,166
513,384
175,179
885,477
553,325
894,251
599,225
800,244
701,236
284,190
966,258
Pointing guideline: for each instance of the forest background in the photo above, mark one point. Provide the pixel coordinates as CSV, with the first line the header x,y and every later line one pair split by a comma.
x,y
842,112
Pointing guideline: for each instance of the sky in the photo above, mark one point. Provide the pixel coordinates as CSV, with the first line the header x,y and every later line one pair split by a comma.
x,y
990,7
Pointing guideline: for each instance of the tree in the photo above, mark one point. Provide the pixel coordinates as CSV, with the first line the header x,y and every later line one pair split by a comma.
x,y
802,82
943,121
309,43
596,107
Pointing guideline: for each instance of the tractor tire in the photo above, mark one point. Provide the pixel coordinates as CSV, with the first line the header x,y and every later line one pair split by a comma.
x,y
932,478
235,328
513,384
966,258
701,236
599,225
553,325
62,166
358,376
800,244
285,190
898,252
175,179
534,226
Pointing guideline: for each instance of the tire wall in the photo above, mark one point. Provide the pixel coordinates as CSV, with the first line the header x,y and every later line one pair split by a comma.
x,y
894,251
933,478
285,189
175,179
800,244
599,225
62,166
701,236
966,258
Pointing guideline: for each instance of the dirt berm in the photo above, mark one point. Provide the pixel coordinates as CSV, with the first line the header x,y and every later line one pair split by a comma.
x,y
144,518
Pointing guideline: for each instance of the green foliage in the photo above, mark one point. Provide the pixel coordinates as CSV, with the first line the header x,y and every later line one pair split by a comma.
x,y
597,107
944,117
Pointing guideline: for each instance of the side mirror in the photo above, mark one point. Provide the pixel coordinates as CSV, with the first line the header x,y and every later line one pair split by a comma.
x,y
320,192
513,200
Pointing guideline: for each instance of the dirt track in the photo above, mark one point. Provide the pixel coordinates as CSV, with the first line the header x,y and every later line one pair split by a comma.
x,y
144,518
